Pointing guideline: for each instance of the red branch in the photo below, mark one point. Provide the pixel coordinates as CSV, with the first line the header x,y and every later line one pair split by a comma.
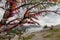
x,y
26,13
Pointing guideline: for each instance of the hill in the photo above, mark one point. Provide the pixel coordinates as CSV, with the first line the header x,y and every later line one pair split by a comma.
x,y
46,34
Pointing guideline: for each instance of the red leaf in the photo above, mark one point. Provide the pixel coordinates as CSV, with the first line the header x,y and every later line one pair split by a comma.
x,y
53,0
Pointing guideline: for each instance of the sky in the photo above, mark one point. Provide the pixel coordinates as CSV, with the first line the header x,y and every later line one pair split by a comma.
x,y
49,19
52,18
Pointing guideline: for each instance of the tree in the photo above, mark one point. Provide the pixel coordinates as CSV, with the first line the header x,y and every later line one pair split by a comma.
x,y
28,14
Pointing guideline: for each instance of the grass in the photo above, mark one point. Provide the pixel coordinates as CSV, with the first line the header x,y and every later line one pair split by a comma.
x,y
29,37
48,36
55,30
52,34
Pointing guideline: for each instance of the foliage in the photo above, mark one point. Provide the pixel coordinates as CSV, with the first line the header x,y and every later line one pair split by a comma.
x,y
40,6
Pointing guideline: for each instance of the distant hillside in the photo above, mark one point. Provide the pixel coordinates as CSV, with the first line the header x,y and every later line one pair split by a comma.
x,y
46,35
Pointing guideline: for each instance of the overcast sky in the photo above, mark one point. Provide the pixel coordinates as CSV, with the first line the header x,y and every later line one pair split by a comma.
x,y
50,19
